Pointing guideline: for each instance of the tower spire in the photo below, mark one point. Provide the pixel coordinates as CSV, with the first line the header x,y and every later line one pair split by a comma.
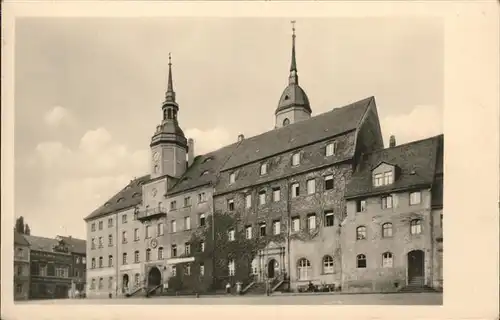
x,y
293,78
170,94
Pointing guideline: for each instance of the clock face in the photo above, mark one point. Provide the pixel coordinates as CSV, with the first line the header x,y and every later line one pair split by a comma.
x,y
154,243
156,156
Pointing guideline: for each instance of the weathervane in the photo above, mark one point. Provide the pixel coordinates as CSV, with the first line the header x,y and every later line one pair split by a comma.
x,y
293,27
169,58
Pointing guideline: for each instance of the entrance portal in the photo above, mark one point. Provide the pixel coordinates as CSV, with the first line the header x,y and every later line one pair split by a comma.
x,y
416,265
271,268
125,283
154,277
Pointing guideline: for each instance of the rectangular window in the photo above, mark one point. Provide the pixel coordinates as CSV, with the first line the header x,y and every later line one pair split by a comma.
x,y
124,258
187,269
262,229
110,222
136,234
148,232
378,179
329,182
187,201
173,226
187,223
329,219
202,269
415,198
92,227
232,178
248,232
110,283
361,206
295,224
124,218
160,229
295,190
388,178
187,248
202,220
110,261
262,197
330,149
311,222
173,205
110,240
296,159
202,246
276,227
276,194
124,237
100,225
231,267
202,197
100,242
263,169
230,205
174,250
311,186
248,201
173,271
441,221
136,257
92,246
387,202
231,234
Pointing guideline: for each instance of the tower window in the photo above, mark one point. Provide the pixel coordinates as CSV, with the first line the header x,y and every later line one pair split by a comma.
x,y
286,121
169,112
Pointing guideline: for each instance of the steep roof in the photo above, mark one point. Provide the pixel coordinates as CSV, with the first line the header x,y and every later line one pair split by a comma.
x,y
41,243
129,196
76,245
419,157
204,169
20,240
317,128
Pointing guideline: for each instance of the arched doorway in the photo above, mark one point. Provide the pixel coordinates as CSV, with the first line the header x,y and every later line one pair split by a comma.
x,y
125,282
154,277
272,266
416,265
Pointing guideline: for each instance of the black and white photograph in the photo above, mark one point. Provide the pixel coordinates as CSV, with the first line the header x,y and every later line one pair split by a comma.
x,y
202,159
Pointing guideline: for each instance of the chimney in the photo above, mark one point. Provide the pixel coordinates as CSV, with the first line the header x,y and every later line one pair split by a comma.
x,y
240,137
392,142
190,152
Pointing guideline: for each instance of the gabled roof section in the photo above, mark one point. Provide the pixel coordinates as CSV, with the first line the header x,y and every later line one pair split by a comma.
x,y
130,196
317,128
20,240
41,243
75,245
204,170
416,162
383,162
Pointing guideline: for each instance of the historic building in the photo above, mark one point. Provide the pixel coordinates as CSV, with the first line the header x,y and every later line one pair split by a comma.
x,y
392,236
21,267
51,263
267,211
78,269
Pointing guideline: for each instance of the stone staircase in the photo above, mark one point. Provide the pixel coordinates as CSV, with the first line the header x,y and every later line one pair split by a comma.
x,y
417,284
256,288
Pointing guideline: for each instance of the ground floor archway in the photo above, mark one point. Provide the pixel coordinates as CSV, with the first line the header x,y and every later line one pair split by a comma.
x,y
154,277
272,267
416,267
125,281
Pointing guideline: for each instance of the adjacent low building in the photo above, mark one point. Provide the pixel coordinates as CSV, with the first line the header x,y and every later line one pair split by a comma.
x,y
21,267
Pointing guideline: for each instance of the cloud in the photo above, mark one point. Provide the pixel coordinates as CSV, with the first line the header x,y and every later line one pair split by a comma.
x,y
209,140
422,122
57,116
96,155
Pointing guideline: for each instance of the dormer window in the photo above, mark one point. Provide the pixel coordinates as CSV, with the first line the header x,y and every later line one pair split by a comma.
x,y
383,179
286,121
207,159
331,149
296,159
232,178
205,172
263,169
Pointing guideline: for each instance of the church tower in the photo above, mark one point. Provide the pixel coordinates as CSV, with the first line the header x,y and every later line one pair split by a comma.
x,y
294,104
168,145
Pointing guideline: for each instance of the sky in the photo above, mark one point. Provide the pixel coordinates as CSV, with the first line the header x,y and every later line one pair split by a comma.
x,y
88,93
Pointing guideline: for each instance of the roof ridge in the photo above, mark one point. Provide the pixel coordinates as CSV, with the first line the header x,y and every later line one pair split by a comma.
x,y
403,144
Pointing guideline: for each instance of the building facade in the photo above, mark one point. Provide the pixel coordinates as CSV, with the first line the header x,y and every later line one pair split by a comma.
x,y
78,268
21,267
270,210
50,265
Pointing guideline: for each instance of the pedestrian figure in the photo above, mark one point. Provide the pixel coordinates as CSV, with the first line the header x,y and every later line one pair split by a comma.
x,y
228,288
